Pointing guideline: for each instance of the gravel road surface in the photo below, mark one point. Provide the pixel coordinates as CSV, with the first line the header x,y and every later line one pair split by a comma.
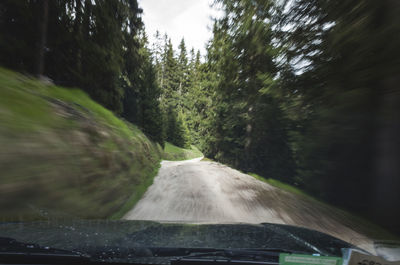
x,y
195,191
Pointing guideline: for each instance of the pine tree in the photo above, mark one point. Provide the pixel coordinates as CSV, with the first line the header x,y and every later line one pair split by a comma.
x,y
183,71
170,96
142,94
243,56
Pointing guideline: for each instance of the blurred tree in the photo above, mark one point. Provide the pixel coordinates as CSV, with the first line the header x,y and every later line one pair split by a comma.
x,y
344,89
19,23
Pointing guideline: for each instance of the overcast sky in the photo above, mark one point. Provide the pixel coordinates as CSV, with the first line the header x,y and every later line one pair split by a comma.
x,y
179,18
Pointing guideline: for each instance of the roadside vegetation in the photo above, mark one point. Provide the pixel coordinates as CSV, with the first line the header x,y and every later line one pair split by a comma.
x,y
173,153
63,155
356,222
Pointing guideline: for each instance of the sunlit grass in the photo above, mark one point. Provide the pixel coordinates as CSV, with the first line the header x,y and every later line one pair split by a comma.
x,y
172,152
282,185
82,100
206,159
21,110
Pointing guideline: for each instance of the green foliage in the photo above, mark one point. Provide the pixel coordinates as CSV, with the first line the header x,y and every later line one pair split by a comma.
x,y
136,195
364,226
339,105
175,153
96,45
282,185
250,128
177,132
86,43
141,101
176,79
309,105
170,84
69,156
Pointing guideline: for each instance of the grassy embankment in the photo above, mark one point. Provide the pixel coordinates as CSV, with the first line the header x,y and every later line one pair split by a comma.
x,y
359,223
173,153
63,155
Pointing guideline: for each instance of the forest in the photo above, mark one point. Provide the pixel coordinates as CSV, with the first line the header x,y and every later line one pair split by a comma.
x,y
305,92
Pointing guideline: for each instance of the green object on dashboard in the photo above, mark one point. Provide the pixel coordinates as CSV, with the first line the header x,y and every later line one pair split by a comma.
x,y
299,259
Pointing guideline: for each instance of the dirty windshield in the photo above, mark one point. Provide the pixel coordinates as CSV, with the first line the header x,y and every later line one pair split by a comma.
x,y
128,127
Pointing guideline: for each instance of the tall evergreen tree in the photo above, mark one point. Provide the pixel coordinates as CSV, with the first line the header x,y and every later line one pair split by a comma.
x,y
84,44
168,72
142,98
183,70
170,96
243,55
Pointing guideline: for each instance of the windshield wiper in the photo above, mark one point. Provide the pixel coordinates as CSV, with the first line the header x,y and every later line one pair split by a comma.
x,y
168,252
230,256
12,251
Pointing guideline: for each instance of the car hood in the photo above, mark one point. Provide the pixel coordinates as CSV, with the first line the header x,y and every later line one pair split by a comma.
x,y
84,236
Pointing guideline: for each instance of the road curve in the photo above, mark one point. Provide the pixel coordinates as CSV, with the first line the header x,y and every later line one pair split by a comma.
x,y
195,191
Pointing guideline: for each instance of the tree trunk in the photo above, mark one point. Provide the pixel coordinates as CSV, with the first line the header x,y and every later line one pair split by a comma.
x,y
42,38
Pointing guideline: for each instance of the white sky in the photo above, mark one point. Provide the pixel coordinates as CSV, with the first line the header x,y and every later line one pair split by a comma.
x,y
179,18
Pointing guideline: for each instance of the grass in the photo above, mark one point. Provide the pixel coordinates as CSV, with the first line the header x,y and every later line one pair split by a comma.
x,y
82,100
136,196
282,185
63,154
364,226
207,159
175,153
27,98
18,108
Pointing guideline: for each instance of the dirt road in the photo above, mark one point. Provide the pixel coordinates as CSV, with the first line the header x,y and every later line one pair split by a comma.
x,y
197,191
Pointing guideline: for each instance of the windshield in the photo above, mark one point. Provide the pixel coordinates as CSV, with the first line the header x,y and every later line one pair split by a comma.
x,y
197,124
